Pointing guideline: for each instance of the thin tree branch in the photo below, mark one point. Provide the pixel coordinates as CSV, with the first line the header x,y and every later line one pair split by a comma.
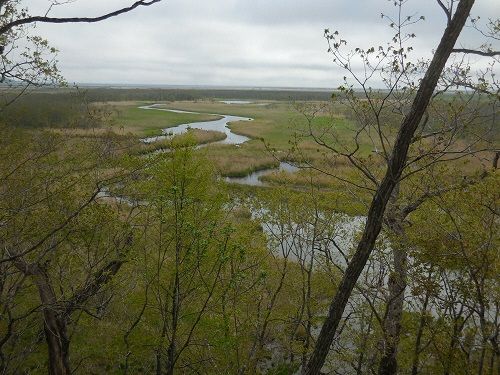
x,y
445,9
476,52
7,27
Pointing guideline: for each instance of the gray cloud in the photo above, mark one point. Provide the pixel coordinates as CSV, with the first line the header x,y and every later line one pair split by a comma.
x,y
230,42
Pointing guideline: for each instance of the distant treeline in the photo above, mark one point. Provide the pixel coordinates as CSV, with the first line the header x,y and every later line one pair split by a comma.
x,y
116,94
70,107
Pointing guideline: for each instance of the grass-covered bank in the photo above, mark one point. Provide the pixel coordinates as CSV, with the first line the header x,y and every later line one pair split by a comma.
x,y
141,122
192,136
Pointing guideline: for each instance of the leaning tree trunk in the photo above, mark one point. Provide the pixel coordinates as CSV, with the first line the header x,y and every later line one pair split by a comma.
x,y
390,180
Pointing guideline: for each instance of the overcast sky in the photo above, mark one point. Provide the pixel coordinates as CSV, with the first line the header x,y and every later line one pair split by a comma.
x,y
276,43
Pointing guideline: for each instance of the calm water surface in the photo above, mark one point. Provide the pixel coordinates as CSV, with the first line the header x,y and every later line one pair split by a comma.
x,y
220,125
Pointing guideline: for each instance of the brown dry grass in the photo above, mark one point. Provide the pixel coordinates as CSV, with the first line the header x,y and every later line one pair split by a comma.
x,y
234,161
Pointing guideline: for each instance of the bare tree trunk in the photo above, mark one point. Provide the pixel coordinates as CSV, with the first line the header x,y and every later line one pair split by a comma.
x,y
362,352
494,346
383,193
392,323
484,333
494,356
482,357
56,313
158,362
397,284
420,333
159,359
172,347
259,341
54,325
451,348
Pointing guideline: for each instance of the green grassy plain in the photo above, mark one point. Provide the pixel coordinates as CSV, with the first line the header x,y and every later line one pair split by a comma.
x,y
277,132
129,118
192,136
277,123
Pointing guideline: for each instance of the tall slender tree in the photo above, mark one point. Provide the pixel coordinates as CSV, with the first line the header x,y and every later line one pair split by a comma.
x,y
396,161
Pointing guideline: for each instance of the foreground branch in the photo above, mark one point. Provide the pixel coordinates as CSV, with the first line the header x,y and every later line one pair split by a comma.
x,y
477,52
24,21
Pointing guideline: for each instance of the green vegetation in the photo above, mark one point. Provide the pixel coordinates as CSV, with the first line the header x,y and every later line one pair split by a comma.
x,y
192,136
141,122
276,122
55,109
239,276
379,255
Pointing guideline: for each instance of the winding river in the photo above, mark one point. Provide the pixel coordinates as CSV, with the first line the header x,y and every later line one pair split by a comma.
x,y
220,125
253,179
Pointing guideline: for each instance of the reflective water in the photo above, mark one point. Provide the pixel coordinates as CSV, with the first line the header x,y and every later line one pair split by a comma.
x,y
236,102
253,179
220,125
